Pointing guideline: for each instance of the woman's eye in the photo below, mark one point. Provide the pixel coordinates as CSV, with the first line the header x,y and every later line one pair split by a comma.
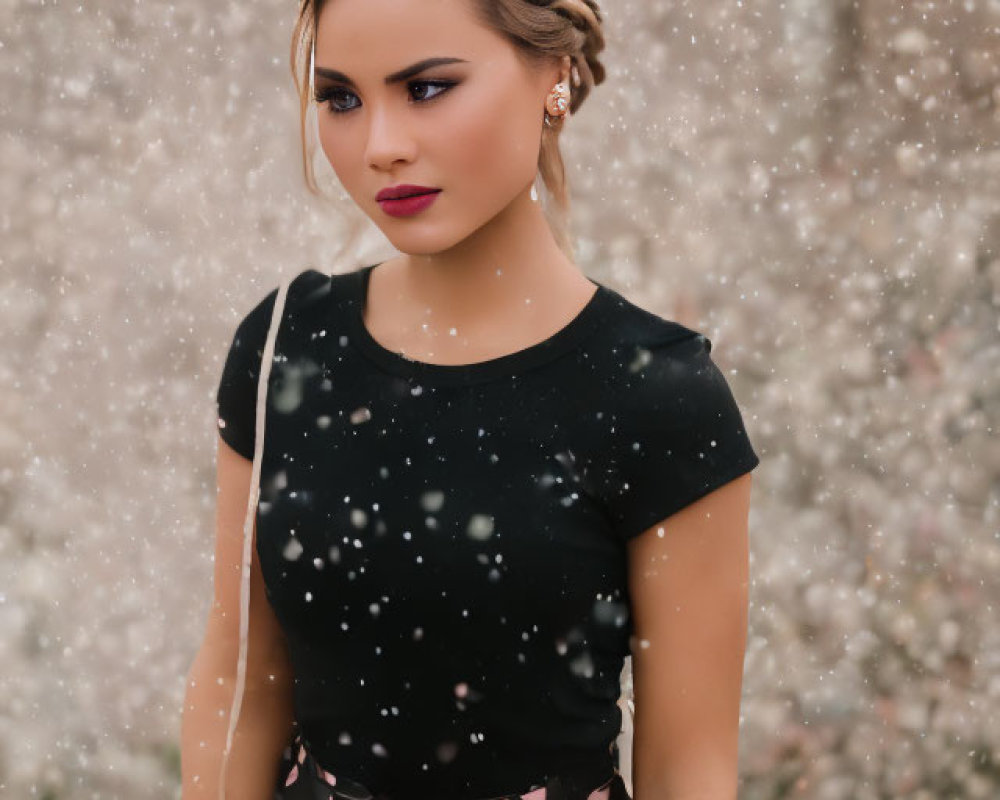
x,y
329,94
442,85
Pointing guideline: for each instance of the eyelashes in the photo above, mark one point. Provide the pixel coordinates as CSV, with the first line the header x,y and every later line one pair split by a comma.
x,y
327,94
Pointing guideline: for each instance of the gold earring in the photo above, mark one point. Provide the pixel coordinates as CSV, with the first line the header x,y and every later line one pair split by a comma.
x,y
557,104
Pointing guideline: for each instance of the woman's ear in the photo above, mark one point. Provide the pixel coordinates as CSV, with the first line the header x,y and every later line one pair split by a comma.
x,y
559,72
565,64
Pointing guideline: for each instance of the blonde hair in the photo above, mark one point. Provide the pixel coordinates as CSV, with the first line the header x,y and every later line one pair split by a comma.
x,y
540,30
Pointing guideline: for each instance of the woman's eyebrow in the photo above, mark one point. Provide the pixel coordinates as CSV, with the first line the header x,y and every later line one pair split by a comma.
x,y
396,77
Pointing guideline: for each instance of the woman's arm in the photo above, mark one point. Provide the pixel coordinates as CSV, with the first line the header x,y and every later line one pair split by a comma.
x,y
266,716
689,591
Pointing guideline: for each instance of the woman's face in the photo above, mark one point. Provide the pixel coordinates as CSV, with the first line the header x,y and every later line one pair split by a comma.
x,y
470,128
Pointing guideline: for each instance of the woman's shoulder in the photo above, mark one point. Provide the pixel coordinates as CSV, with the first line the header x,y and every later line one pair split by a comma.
x,y
306,307
308,292
634,327
652,364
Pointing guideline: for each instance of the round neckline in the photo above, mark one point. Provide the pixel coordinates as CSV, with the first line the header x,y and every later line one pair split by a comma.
x,y
507,365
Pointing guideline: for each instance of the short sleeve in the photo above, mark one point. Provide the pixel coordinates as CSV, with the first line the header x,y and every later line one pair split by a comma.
x,y
679,434
236,396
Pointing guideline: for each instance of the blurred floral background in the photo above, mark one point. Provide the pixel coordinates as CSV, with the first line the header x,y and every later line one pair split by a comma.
x,y
815,184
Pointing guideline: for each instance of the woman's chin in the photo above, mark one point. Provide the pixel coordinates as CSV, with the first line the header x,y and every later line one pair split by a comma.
x,y
426,241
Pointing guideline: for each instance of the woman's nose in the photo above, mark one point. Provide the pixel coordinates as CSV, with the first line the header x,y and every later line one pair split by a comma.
x,y
389,138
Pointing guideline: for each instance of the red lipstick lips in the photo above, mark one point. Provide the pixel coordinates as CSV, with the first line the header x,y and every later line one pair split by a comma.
x,y
403,190
406,199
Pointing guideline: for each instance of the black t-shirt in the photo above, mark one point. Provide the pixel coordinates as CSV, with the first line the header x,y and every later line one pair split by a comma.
x,y
444,545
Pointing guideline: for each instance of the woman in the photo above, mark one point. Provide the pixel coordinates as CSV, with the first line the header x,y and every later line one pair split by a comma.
x,y
486,478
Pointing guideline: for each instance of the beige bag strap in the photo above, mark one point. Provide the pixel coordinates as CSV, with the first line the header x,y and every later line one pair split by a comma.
x,y
626,702
258,450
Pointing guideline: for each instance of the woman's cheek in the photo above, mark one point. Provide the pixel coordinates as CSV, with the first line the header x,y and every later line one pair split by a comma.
x,y
329,144
342,160
488,150
482,129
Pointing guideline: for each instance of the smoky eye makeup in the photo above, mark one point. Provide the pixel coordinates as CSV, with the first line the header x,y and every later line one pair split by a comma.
x,y
337,97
